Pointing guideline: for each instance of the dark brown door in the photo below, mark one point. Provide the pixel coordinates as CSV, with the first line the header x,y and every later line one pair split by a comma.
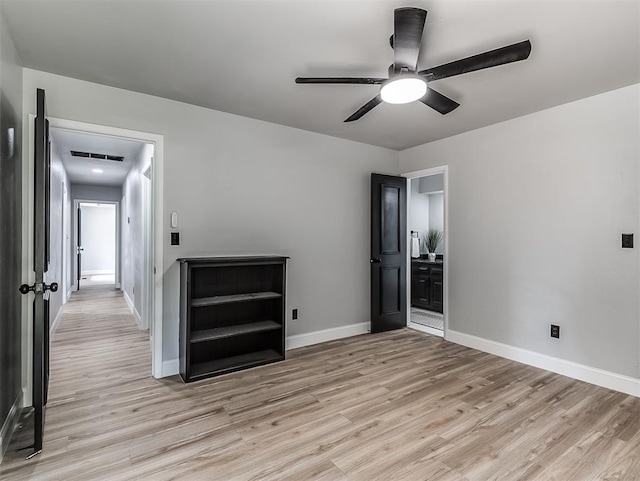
x,y
388,252
40,267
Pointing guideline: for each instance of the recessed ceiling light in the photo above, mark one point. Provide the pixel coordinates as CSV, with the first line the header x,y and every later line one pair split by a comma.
x,y
97,171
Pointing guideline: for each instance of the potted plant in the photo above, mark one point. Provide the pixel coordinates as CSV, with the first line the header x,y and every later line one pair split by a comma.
x,y
432,239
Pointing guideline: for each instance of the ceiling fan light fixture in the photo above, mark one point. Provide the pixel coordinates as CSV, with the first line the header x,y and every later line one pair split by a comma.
x,y
402,90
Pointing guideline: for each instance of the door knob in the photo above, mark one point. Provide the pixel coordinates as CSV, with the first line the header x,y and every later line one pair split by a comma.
x,y
376,260
38,287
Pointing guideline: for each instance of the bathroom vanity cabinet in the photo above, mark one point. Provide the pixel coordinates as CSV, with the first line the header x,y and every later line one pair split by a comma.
x,y
427,284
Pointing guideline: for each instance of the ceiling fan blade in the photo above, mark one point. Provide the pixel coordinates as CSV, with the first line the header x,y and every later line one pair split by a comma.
x,y
439,102
340,80
492,58
365,108
408,26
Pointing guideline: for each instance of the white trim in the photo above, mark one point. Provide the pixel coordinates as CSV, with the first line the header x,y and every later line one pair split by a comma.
x,y
444,170
427,329
599,377
54,324
132,308
9,425
308,339
170,368
157,219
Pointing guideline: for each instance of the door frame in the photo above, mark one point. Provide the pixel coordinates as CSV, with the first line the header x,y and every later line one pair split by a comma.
x,y
66,247
157,221
443,169
76,204
147,244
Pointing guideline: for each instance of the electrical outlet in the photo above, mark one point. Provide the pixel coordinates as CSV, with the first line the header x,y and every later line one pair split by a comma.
x,y
555,331
627,241
175,238
294,314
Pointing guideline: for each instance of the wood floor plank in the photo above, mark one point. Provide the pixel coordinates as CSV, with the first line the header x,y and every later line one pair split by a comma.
x,y
398,405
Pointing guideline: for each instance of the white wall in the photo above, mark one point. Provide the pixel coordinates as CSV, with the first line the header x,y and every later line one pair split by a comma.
x,y
132,240
98,238
13,306
431,183
418,213
241,186
96,192
536,208
436,216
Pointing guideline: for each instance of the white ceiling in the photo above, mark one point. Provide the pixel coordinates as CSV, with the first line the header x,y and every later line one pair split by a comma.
x,y
80,169
242,56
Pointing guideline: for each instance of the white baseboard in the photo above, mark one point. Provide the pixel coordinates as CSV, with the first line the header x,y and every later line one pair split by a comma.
x,y
99,272
10,424
54,324
132,308
316,337
169,368
599,377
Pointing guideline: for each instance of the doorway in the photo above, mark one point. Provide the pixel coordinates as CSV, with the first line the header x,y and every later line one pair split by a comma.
x,y
427,247
112,191
96,243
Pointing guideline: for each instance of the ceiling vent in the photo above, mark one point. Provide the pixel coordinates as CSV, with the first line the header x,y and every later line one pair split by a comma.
x,y
92,155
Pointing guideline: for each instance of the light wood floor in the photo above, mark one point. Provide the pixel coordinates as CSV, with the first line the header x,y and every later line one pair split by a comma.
x,y
392,406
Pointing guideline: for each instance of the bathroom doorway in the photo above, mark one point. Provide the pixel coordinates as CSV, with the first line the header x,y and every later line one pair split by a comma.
x,y
426,215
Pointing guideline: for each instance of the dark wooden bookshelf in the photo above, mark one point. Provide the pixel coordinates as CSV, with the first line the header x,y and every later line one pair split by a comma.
x,y
251,296
232,314
230,331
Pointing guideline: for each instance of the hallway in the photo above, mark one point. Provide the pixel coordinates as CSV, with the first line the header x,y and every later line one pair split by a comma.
x,y
100,380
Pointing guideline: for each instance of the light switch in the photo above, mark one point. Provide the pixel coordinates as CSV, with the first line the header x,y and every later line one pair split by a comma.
x,y
174,220
175,238
627,241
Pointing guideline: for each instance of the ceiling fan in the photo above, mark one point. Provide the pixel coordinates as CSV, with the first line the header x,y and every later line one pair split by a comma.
x,y
405,83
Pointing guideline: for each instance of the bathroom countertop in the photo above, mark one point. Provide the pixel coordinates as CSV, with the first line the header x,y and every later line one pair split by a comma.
x,y
427,261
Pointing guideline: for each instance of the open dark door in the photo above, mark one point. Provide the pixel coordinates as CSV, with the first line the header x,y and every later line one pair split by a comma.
x,y
40,266
388,252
